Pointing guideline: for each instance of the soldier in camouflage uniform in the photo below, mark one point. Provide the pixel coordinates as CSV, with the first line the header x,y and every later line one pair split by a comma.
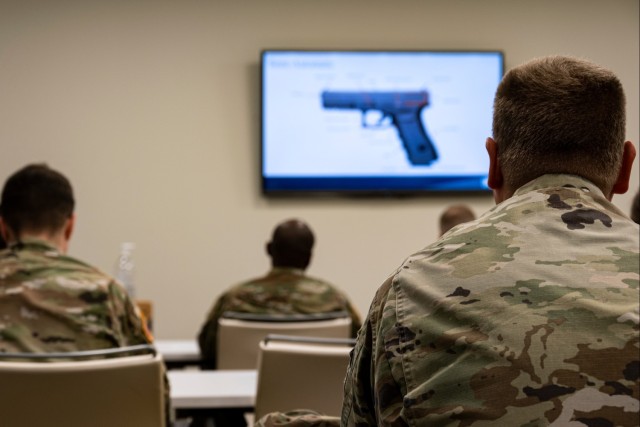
x,y
284,290
527,316
50,302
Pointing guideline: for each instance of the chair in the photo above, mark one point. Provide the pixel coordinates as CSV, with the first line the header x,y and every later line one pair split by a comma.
x,y
301,373
146,312
66,389
240,333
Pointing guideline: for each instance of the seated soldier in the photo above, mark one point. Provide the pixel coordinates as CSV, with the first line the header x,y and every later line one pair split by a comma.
x,y
51,302
285,289
529,315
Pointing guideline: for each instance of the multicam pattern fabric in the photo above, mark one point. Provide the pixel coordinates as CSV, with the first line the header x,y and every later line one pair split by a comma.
x,y
281,291
527,316
50,302
297,418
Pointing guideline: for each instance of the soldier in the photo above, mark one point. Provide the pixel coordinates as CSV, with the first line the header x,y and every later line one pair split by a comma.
x,y
528,315
285,289
51,302
455,215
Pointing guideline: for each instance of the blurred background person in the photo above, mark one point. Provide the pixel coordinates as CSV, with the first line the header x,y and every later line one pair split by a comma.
x,y
285,289
454,215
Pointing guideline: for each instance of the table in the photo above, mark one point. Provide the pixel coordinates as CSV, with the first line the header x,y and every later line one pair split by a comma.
x,y
178,353
200,393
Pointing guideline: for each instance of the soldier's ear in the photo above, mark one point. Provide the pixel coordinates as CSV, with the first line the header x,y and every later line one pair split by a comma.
x,y
67,231
69,226
269,249
495,179
624,175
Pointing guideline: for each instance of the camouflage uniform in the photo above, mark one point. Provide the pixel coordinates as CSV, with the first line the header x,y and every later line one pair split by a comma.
x,y
281,291
50,302
527,316
297,418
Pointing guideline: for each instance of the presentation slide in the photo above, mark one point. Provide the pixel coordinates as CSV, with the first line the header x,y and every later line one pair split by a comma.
x,y
377,114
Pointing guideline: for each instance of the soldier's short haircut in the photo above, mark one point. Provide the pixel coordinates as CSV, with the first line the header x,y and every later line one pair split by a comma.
x,y
291,244
559,115
36,199
455,215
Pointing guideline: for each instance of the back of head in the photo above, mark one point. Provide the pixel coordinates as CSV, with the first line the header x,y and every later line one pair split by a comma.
x,y
36,199
291,244
559,115
454,215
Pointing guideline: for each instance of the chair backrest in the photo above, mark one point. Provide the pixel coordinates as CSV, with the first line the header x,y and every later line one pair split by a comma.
x,y
146,311
125,391
301,373
239,334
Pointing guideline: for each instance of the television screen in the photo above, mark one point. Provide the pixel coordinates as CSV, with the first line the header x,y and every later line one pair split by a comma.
x,y
373,122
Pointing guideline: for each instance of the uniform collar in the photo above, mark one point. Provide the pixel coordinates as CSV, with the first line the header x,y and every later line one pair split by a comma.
x,y
280,270
560,180
34,244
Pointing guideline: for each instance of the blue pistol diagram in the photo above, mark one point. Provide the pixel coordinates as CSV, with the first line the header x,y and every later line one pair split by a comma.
x,y
403,108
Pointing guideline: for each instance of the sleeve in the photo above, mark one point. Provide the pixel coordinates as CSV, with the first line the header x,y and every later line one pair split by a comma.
x,y
339,298
356,322
208,336
297,418
359,406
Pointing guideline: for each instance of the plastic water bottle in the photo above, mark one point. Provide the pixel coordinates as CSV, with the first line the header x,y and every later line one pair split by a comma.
x,y
125,268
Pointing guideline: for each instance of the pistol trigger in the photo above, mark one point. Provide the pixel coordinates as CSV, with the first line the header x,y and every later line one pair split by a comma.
x,y
373,118
363,118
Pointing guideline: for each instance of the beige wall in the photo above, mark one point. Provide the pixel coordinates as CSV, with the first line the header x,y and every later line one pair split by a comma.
x,y
152,110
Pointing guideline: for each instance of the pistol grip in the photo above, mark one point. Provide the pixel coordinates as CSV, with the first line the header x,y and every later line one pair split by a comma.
x,y
420,149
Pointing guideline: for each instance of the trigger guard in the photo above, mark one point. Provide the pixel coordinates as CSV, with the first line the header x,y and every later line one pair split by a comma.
x,y
384,119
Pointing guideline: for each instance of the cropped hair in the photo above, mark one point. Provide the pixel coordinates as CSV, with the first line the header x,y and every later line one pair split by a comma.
x,y
559,115
455,215
36,199
291,244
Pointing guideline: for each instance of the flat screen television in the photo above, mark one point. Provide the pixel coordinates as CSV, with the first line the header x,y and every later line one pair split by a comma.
x,y
376,122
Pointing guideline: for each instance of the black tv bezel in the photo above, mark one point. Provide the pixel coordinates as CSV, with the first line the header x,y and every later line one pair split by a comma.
x,y
378,192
